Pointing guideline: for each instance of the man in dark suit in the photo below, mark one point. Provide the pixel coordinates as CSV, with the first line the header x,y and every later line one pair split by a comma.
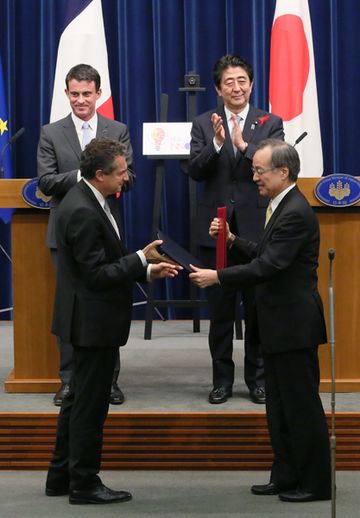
x,y
290,324
92,310
58,160
223,143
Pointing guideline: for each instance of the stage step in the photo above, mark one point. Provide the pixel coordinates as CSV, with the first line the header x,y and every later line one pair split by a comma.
x,y
149,441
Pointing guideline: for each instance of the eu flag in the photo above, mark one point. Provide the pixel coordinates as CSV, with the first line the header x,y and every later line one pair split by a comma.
x,y
5,155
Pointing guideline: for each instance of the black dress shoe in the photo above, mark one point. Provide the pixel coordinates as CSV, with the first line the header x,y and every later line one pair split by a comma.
x,y
300,496
116,396
265,489
58,491
219,395
257,395
98,495
61,394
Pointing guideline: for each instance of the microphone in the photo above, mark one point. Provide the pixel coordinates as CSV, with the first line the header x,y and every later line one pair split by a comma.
x,y
299,139
331,254
8,143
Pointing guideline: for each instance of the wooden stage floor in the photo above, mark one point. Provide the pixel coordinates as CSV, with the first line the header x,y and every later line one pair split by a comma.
x,y
166,421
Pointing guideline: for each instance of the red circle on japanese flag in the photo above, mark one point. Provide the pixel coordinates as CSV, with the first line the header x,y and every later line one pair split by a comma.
x,y
290,63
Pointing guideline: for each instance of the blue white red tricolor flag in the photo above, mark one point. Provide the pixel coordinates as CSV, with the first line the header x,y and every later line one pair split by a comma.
x,y
5,151
82,41
292,88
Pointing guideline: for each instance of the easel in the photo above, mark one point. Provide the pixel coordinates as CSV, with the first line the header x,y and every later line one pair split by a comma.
x,y
192,82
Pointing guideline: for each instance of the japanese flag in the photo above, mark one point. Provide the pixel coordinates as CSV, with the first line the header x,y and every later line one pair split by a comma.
x,y
292,88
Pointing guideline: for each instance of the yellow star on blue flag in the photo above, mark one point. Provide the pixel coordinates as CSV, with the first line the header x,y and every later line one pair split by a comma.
x,y
5,154
3,126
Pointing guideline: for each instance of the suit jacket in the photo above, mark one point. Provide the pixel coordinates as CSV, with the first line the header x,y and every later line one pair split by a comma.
x,y
228,180
284,269
58,159
95,274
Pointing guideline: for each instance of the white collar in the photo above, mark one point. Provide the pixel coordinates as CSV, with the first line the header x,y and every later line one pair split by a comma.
x,y
79,122
100,198
243,114
276,201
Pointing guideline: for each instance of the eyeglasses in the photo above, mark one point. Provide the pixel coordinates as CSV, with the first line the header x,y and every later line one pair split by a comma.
x,y
260,172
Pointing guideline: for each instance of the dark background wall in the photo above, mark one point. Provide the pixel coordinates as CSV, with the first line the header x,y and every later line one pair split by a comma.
x,y
151,45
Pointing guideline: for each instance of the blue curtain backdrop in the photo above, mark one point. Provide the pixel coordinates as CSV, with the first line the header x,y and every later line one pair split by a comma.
x,y
151,45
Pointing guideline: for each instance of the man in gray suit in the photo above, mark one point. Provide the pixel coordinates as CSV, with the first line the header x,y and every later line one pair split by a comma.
x,y
58,159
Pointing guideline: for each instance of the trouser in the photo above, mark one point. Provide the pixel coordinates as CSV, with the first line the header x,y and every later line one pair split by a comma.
x,y
79,438
297,423
222,308
66,348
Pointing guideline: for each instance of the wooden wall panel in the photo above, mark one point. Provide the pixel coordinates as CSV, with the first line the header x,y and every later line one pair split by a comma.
x,y
161,441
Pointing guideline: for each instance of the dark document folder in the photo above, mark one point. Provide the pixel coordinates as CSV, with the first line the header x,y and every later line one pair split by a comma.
x,y
177,253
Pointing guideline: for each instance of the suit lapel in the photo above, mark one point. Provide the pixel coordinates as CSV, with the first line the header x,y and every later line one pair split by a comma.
x,y
71,136
293,192
82,185
102,128
250,126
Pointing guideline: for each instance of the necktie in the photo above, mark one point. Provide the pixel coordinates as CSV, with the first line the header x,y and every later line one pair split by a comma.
x,y
87,134
111,218
235,118
268,214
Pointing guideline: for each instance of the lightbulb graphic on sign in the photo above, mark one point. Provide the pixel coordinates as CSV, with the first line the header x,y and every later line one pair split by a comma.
x,y
158,135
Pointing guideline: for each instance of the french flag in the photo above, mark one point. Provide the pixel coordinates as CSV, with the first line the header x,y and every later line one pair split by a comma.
x,y
292,85
82,41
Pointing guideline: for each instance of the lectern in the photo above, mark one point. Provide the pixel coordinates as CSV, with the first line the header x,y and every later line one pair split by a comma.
x,y
339,229
35,349
36,357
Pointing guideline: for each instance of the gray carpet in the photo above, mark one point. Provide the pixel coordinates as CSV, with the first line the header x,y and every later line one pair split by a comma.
x,y
168,494
171,372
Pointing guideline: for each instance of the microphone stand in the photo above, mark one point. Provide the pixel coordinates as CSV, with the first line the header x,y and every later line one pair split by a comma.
x,y
2,171
331,255
9,143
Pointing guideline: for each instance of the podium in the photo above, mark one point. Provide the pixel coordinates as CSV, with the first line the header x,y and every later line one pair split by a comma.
x,y
36,357
339,229
35,349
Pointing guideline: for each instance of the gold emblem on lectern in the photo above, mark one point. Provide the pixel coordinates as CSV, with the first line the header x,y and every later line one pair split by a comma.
x,y
41,196
34,197
339,192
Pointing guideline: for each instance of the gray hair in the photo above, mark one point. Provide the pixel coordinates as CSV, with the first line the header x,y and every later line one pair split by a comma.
x,y
283,155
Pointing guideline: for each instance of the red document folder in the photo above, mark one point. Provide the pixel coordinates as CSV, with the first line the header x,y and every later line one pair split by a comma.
x,y
221,259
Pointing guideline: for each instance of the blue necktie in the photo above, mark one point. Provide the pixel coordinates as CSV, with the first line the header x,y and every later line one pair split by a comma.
x,y
87,135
